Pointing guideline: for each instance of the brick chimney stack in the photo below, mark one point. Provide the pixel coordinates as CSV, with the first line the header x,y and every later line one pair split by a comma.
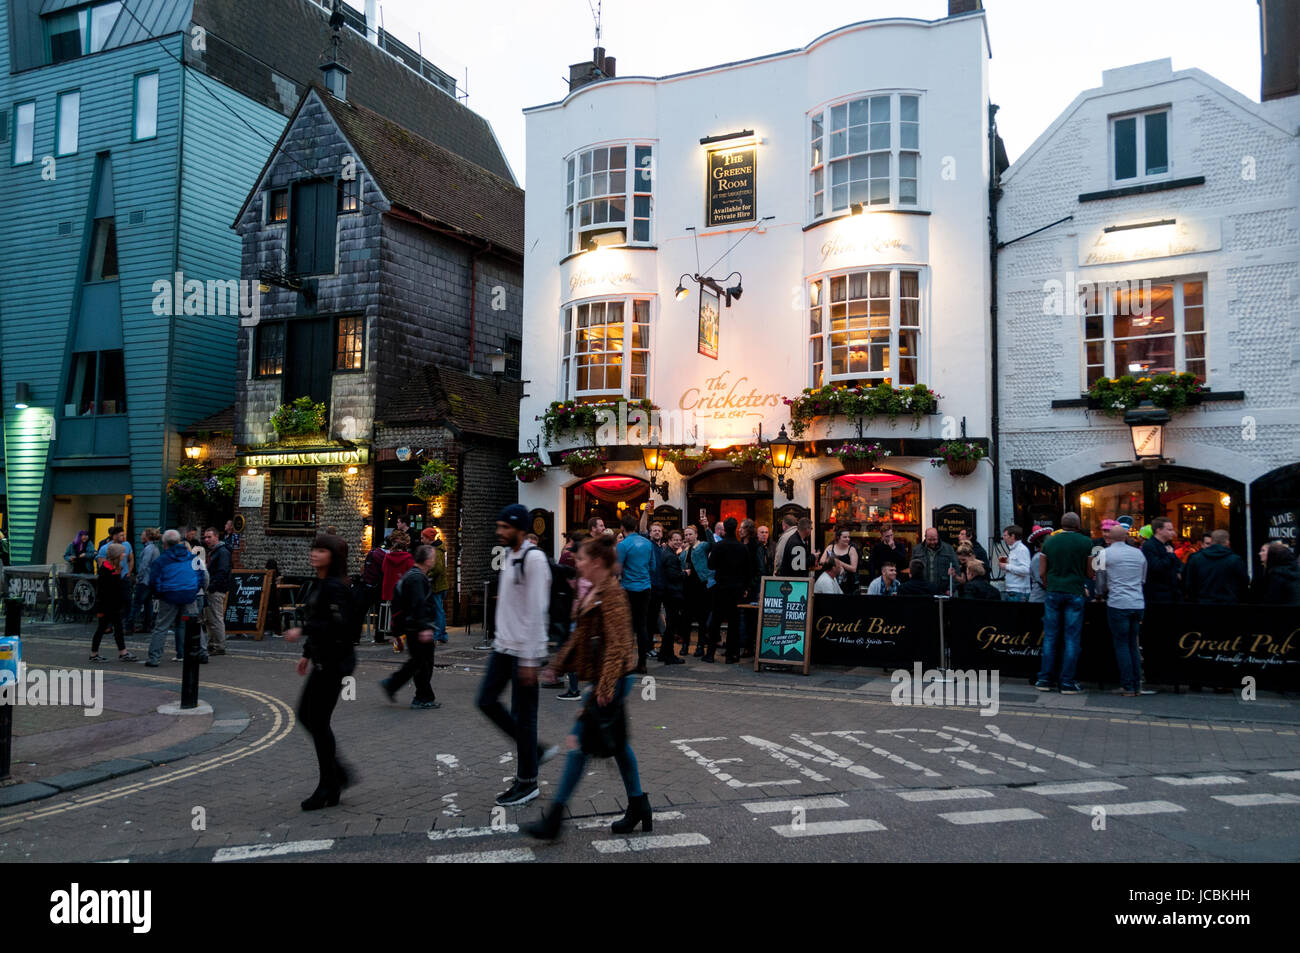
x,y
957,7
600,67
1279,48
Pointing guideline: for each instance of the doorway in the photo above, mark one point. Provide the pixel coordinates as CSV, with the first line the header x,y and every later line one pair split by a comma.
x,y
727,493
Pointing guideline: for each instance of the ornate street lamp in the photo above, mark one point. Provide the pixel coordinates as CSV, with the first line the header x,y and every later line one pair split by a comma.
x,y
1146,424
652,455
782,452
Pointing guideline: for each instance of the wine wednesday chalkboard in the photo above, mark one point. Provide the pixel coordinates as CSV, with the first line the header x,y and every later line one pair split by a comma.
x,y
783,622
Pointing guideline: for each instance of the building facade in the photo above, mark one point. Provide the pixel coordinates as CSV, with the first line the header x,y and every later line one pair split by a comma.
x,y
711,244
1174,247
392,270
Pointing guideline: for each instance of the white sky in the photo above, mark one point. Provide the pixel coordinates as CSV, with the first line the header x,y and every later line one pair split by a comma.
x,y
1044,51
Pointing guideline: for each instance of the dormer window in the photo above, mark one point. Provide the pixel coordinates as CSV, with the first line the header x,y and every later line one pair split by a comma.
x,y
1140,146
80,32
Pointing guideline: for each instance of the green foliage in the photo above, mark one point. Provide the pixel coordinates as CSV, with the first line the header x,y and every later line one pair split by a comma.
x,y
300,416
838,400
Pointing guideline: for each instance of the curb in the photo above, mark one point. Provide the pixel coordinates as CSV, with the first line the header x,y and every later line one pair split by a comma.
x,y
228,720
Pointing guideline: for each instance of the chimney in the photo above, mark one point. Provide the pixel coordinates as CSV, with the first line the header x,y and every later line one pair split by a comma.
x,y
957,7
372,21
600,67
336,78
1279,49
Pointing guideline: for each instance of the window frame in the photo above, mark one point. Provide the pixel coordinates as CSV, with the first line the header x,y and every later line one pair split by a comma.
x,y
17,134
99,399
360,319
1107,292
59,151
89,277
256,350
1140,150
279,484
135,104
343,188
269,206
332,265
825,332
85,17
638,184
819,133
568,367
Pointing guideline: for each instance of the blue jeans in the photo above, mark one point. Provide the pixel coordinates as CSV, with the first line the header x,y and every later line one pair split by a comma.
x,y
577,761
1062,617
1010,596
142,606
439,618
1124,627
520,723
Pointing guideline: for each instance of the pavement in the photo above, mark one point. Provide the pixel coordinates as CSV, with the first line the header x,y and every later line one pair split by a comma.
x,y
740,766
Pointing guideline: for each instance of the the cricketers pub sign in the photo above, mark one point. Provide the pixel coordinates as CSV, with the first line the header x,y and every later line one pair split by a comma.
x,y
731,187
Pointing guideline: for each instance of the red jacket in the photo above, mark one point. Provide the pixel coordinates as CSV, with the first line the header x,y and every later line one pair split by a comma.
x,y
395,565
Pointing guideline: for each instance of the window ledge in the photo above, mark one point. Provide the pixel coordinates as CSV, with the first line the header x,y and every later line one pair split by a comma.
x,y
1087,403
612,247
874,211
1142,189
284,531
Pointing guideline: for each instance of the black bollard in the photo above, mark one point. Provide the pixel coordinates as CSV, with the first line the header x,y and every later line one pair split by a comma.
x,y
13,625
190,666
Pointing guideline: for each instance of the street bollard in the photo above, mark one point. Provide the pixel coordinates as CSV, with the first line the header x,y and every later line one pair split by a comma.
x,y
11,649
190,666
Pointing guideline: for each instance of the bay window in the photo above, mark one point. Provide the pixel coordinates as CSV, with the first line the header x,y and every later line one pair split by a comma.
x,y
865,326
609,194
1143,328
865,151
606,351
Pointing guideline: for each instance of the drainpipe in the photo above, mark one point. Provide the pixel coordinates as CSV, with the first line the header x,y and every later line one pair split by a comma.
x,y
995,193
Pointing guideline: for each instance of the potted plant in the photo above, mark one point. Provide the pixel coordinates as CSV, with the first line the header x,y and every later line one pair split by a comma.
x,y
688,461
299,418
749,460
527,468
197,485
571,417
839,400
1115,396
436,479
585,461
858,457
959,456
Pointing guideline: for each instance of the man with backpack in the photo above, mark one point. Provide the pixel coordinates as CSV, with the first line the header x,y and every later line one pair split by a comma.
x,y
413,616
372,577
177,580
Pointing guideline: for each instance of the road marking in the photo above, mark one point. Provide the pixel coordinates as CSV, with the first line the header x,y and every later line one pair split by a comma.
x,y
596,825
905,735
1257,800
875,749
711,765
650,842
516,855
1131,808
785,807
255,851
1005,738
1286,775
955,794
992,817
453,833
1203,779
1078,787
823,828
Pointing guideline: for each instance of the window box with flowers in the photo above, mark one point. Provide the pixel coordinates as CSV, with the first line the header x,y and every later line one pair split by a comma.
x,y
688,462
749,460
570,418
959,456
839,400
1114,396
436,479
299,418
585,461
859,457
527,468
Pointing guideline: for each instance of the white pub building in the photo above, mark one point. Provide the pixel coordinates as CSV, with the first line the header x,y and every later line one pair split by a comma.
x,y
713,243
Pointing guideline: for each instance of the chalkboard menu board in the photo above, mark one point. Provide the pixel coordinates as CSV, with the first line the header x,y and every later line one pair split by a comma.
x,y
246,601
783,619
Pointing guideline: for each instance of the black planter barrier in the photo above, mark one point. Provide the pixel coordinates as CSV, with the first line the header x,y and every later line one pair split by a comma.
x,y
1221,645
1008,636
882,631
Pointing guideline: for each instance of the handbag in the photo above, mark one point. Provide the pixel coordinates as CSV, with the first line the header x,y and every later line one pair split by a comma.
x,y
604,729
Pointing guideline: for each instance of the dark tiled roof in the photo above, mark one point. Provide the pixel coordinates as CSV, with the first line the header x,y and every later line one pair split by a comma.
x,y
469,403
223,421
245,37
434,183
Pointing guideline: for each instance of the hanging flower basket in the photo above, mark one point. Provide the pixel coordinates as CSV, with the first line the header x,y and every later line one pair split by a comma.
x,y
688,462
959,456
585,461
437,479
749,460
299,418
859,457
527,468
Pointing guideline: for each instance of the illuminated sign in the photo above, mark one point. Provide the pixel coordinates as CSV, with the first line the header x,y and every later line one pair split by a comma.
x,y
307,458
731,188
708,342
720,400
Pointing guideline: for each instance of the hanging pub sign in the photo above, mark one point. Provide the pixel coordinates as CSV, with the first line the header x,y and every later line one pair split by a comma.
x,y
708,323
783,622
731,188
952,519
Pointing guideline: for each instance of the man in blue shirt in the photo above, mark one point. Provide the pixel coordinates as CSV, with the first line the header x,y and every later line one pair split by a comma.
x,y
636,556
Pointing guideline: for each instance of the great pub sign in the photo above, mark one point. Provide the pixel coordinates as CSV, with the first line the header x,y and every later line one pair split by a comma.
x,y
731,188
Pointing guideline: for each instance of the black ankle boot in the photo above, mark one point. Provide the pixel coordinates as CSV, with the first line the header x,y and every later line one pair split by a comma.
x,y
638,812
321,798
548,828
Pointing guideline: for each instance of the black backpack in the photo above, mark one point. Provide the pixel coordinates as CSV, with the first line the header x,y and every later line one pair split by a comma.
x,y
559,614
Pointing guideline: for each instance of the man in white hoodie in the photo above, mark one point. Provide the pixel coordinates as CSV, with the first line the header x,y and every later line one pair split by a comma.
x,y
519,650
1015,565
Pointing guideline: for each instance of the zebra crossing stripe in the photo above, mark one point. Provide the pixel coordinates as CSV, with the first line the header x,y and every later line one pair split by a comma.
x,y
517,855
257,851
1131,808
822,828
1205,779
649,842
992,817
1257,800
599,824
785,807
1076,787
1286,775
954,794
452,833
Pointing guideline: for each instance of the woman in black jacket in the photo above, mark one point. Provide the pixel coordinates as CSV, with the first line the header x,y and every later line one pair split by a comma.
x,y
1282,577
327,656
108,605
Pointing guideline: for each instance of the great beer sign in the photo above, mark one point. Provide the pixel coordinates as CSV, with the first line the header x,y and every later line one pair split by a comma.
x,y
731,186
359,456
